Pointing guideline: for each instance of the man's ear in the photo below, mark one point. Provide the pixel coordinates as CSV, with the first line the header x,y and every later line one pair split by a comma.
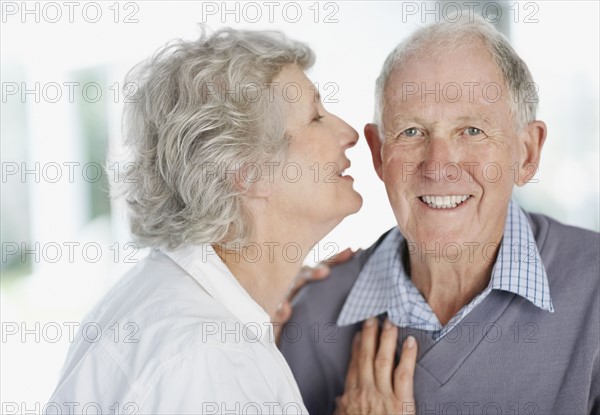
x,y
533,137
375,144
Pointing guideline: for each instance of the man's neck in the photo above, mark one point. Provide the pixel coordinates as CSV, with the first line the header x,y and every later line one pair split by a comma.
x,y
449,286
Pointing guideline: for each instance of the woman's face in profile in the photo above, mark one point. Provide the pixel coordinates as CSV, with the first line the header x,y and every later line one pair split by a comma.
x,y
314,187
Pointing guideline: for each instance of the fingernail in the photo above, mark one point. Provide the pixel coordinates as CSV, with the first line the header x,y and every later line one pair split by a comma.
x,y
305,273
410,342
370,322
387,324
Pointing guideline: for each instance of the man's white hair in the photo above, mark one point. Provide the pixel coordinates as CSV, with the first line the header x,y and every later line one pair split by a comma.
x,y
455,32
202,111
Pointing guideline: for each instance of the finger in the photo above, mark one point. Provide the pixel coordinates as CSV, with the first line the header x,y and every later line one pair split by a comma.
x,y
404,373
321,271
297,283
283,313
307,274
366,354
341,256
352,375
384,360
338,404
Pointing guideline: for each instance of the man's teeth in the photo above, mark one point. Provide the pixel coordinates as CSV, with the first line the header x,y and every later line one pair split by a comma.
x,y
444,202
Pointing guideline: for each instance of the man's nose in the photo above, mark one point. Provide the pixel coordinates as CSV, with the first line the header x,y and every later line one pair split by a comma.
x,y
440,160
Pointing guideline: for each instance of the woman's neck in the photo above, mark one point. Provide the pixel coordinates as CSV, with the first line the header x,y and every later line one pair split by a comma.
x,y
266,267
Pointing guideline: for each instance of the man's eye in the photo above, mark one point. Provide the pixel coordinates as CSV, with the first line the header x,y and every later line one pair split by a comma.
x,y
411,132
473,131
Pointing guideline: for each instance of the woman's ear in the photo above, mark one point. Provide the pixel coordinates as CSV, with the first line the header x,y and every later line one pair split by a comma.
x,y
254,181
374,141
533,137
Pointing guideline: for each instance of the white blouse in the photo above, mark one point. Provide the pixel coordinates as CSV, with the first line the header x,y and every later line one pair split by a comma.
x,y
177,335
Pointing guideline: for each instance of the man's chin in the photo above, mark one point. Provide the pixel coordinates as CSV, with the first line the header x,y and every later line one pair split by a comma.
x,y
442,241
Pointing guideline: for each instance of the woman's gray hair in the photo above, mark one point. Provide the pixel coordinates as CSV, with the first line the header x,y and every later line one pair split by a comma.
x,y
459,30
203,110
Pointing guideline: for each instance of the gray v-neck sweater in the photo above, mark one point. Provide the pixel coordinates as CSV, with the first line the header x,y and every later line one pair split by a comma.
x,y
506,356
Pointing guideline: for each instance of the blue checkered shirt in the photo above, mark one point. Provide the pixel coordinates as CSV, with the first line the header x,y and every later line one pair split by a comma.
x,y
384,287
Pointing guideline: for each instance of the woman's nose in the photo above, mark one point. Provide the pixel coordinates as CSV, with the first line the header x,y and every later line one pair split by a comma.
x,y
348,136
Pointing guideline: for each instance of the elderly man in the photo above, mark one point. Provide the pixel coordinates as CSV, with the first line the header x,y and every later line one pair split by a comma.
x,y
504,304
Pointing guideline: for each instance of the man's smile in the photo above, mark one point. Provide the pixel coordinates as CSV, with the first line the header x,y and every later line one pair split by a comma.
x,y
444,202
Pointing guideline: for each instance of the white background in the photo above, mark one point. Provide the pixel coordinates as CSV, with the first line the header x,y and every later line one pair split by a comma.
x,y
558,40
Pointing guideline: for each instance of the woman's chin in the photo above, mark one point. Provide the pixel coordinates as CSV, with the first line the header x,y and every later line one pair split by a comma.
x,y
352,204
333,211
358,203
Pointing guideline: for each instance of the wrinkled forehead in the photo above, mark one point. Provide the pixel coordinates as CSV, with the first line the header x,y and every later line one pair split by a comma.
x,y
438,82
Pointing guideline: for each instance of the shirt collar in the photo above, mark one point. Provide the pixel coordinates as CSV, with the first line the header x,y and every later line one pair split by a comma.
x,y
518,269
369,296
205,266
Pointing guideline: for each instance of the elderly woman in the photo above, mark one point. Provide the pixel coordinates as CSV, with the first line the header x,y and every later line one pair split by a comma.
x,y
239,170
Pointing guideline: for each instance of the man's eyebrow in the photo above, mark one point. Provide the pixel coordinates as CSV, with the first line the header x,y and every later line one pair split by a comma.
x,y
398,121
407,121
475,117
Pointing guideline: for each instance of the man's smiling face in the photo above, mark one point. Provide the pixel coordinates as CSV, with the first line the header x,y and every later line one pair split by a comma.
x,y
451,152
